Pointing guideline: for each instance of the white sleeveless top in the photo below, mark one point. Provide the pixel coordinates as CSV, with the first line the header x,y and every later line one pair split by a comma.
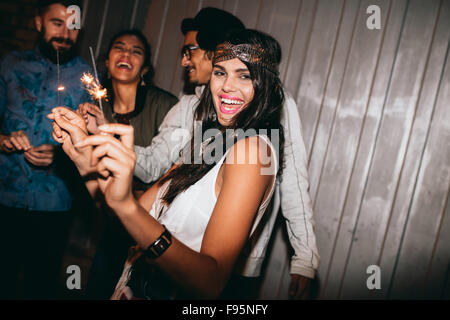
x,y
188,215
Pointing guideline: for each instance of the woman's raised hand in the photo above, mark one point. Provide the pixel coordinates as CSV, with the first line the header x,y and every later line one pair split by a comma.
x,y
114,161
69,128
92,115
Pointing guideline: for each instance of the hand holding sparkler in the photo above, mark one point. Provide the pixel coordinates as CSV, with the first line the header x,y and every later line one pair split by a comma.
x,y
69,128
96,91
92,115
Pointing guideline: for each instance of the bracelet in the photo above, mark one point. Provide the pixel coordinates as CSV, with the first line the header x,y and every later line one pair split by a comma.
x,y
160,245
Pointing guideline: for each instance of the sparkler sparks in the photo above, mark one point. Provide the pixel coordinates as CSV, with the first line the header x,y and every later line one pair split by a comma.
x,y
93,85
93,88
87,79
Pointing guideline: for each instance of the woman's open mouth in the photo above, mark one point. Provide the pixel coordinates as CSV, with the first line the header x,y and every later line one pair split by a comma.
x,y
123,65
230,105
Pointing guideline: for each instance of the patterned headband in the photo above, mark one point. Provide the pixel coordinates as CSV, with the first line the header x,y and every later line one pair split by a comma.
x,y
253,54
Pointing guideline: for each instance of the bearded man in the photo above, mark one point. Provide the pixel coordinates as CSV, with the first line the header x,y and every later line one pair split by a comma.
x,y
35,196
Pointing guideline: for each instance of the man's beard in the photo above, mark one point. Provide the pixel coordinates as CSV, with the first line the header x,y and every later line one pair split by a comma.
x,y
188,87
48,51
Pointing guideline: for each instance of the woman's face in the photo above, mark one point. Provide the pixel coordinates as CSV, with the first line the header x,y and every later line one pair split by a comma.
x,y
231,88
125,59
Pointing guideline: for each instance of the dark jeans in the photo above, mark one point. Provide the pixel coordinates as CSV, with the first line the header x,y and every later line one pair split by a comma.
x,y
109,260
32,244
241,288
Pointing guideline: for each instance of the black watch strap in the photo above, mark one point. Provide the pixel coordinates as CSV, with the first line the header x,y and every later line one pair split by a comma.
x,y
160,245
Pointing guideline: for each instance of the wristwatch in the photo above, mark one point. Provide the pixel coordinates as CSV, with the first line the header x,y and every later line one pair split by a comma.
x,y
160,245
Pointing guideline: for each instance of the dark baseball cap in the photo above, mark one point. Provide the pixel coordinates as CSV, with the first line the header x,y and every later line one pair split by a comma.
x,y
212,25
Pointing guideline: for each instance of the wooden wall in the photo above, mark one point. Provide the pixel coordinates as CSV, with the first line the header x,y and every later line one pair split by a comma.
x,y
17,26
376,122
101,19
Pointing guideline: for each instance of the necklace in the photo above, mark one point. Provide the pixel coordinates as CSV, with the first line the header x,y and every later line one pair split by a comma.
x,y
123,118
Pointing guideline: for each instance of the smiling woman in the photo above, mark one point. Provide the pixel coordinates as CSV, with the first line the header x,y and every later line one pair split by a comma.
x,y
134,101
192,225
232,89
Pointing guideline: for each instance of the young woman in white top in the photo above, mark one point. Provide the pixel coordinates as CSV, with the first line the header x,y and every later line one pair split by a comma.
x,y
195,221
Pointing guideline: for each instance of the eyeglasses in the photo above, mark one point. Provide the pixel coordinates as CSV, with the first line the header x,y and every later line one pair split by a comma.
x,y
186,51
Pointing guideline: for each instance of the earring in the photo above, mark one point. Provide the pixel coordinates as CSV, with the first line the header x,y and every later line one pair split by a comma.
x,y
109,75
142,81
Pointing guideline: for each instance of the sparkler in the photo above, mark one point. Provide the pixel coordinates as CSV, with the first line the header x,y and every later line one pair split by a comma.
x,y
93,86
60,87
98,94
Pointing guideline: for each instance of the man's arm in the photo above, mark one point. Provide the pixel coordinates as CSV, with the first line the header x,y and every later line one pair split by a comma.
x,y
175,131
15,141
295,200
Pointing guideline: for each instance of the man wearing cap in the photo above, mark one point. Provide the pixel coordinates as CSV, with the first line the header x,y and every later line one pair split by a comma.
x,y
202,34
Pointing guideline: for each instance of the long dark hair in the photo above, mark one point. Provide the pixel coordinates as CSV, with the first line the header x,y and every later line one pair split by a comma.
x,y
263,112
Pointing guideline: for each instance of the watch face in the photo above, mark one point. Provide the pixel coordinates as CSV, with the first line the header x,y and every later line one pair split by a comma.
x,y
159,246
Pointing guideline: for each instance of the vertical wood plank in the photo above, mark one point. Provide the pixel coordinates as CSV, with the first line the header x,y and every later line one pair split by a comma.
x,y
118,18
92,28
170,42
283,17
296,55
332,92
141,14
430,196
318,130
246,11
154,27
134,13
317,67
349,216
361,166
343,146
391,146
265,17
84,12
230,6
213,3
96,48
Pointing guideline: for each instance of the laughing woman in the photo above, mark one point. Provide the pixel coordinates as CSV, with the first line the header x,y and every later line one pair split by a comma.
x,y
133,100
192,225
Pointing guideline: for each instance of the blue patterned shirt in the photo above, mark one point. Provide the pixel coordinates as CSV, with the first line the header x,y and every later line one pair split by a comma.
x,y
28,83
